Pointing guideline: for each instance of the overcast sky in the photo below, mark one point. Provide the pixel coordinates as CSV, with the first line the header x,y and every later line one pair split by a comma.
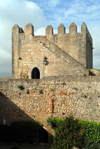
x,y
47,12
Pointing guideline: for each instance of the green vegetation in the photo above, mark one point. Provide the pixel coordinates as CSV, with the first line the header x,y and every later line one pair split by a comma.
x,y
95,69
75,88
89,132
20,87
52,89
20,132
63,83
27,92
40,91
54,122
68,135
85,96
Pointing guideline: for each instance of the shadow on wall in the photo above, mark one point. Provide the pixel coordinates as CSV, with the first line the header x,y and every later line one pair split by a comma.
x,y
9,113
91,73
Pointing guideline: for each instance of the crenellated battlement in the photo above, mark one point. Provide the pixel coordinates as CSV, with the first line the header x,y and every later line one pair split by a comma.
x,y
29,29
72,29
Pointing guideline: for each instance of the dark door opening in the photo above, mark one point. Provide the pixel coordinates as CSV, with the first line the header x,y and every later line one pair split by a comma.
x,y
43,136
35,73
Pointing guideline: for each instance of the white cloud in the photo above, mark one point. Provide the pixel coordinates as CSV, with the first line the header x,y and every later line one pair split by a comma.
x,y
40,31
19,12
53,3
30,4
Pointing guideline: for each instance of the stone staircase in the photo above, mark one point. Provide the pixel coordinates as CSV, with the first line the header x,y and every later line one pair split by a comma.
x,y
61,54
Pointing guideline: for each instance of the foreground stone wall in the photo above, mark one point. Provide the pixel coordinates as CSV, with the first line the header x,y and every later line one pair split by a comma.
x,y
50,97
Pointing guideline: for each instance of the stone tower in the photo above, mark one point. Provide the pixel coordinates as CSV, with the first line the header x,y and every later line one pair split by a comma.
x,y
64,53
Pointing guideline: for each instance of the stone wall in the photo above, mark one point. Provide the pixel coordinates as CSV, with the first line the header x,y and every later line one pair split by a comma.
x,y
50,97
5,78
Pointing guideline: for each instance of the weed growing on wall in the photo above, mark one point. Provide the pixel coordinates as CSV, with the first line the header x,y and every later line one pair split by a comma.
x,y
75,88
52,89
27,92
40,91
85,96
63,83
20,87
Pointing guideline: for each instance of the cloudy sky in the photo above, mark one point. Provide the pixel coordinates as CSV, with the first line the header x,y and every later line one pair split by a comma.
x,y
47,12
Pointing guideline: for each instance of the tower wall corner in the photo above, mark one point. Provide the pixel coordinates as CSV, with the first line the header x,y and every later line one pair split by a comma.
x,y
15,49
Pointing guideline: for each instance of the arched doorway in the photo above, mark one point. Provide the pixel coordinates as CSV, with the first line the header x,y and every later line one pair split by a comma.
x,y
35,73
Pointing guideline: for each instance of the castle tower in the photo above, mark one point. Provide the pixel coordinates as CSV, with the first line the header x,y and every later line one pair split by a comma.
x,y
67,53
